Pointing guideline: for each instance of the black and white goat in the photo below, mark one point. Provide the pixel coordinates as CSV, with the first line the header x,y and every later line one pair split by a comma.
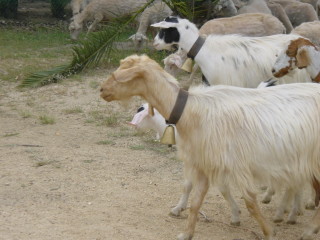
x,y
222,57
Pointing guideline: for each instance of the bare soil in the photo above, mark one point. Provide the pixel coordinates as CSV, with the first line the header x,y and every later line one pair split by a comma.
x,y
78,179
57,181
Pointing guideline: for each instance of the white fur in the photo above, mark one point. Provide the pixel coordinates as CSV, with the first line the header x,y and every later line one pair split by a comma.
x,y
239,136
98,10
284,61
223,57
143,121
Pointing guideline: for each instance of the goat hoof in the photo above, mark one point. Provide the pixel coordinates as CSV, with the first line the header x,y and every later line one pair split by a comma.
x,y
310,206
236,224
175,212
305,237
184,236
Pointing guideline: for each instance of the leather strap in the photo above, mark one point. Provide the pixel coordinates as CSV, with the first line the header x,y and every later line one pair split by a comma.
x,y
196,47
178,107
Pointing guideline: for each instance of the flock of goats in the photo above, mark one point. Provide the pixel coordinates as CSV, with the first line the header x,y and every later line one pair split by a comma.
x,y
241,131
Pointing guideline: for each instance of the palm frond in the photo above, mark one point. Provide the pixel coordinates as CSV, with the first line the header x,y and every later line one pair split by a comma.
x,y
89,52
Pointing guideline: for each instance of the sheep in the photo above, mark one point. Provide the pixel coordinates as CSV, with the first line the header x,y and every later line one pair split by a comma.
x,y
249,24
98,10
298,12
78,5
223,56
254,6
142,120
238,136
290,12
278,11
310,30
150,15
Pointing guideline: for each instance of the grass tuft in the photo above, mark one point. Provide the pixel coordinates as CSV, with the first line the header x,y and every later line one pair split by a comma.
x,y
45,120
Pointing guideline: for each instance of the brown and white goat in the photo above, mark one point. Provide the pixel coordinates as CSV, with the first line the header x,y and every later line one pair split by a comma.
x,y
300,53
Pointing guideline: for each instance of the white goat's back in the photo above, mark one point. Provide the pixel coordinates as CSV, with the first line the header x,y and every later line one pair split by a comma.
x,y
271,133
243,61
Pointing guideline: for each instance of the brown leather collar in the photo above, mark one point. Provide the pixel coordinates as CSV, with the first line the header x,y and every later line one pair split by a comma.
x,y
178,107
317,78
196,47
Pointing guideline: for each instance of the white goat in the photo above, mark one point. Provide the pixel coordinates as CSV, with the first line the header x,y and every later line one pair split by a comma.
x,y
150,15
310,30
98,10
249,24
300,53
221,57
239,136
142,120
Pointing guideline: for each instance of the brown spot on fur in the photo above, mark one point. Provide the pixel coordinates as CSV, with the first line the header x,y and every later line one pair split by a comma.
x,y
302,58
316,186
283,71
295,44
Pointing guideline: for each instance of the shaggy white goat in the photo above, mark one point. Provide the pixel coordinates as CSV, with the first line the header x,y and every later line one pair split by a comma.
x,y
239,136
310,30
221,57
142,120
150,15
98,10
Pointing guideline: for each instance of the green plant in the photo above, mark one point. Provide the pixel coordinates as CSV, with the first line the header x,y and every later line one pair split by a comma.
x,y
73,110
44,119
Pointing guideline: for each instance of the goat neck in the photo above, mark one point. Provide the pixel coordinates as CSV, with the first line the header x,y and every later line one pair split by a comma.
x,y
188,38
164,103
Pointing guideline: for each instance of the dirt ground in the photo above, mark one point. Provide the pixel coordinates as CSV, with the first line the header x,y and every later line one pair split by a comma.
x,y
58,182
76,179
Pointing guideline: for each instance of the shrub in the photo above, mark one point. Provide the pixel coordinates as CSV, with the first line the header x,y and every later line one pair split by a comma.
x,y
8,8
57,8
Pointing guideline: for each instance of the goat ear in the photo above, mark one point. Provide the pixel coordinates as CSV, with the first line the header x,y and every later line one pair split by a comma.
x,y
164,24
128,74
302,58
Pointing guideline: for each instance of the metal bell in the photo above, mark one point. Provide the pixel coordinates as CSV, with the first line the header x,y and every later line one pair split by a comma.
x,y
187,66
168,136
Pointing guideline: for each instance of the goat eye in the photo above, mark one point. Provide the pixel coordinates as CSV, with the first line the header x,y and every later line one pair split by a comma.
x,y
276,55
